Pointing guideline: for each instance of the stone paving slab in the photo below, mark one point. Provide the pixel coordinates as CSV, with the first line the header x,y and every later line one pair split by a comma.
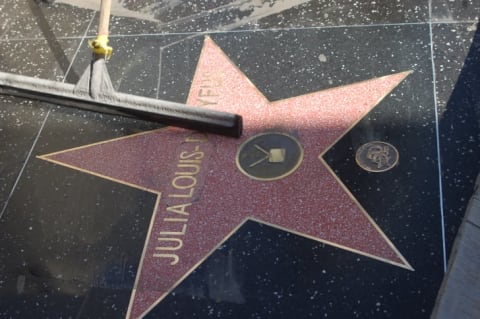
x,y
459,296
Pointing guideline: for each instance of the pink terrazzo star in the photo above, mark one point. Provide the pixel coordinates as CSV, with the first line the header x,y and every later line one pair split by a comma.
x,y
203,197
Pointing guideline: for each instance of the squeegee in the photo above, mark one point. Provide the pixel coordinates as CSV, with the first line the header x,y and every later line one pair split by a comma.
x,y
94,91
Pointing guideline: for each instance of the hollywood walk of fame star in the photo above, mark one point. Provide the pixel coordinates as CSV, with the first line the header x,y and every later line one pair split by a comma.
x,y
203,194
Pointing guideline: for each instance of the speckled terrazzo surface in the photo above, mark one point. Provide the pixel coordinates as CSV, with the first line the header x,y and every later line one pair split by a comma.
x,y
108,217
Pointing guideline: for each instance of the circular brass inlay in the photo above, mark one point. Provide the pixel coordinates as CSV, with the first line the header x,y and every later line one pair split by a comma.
x,y
269,156
377,156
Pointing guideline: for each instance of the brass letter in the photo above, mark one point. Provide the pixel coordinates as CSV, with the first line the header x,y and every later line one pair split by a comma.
x,y
175,257
179,209
197,155
175,233
183,220
177,247
206,93
202,138
184,195
205,102
193,182
194,171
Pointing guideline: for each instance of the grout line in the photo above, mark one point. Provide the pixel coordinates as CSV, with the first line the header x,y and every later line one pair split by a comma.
x,y
454,22
472,224
39,39
160,54
437,133
277,29
37,137
78,48
24,164
248,30
191,36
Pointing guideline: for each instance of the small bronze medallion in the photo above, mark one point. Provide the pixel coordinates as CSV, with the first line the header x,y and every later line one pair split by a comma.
x,y
269,156
377,156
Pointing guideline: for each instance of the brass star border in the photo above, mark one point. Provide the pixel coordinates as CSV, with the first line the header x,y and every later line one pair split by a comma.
x,y
190,173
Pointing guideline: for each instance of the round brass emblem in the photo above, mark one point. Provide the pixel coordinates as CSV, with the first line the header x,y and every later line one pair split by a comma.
x,y
269,156
377,156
